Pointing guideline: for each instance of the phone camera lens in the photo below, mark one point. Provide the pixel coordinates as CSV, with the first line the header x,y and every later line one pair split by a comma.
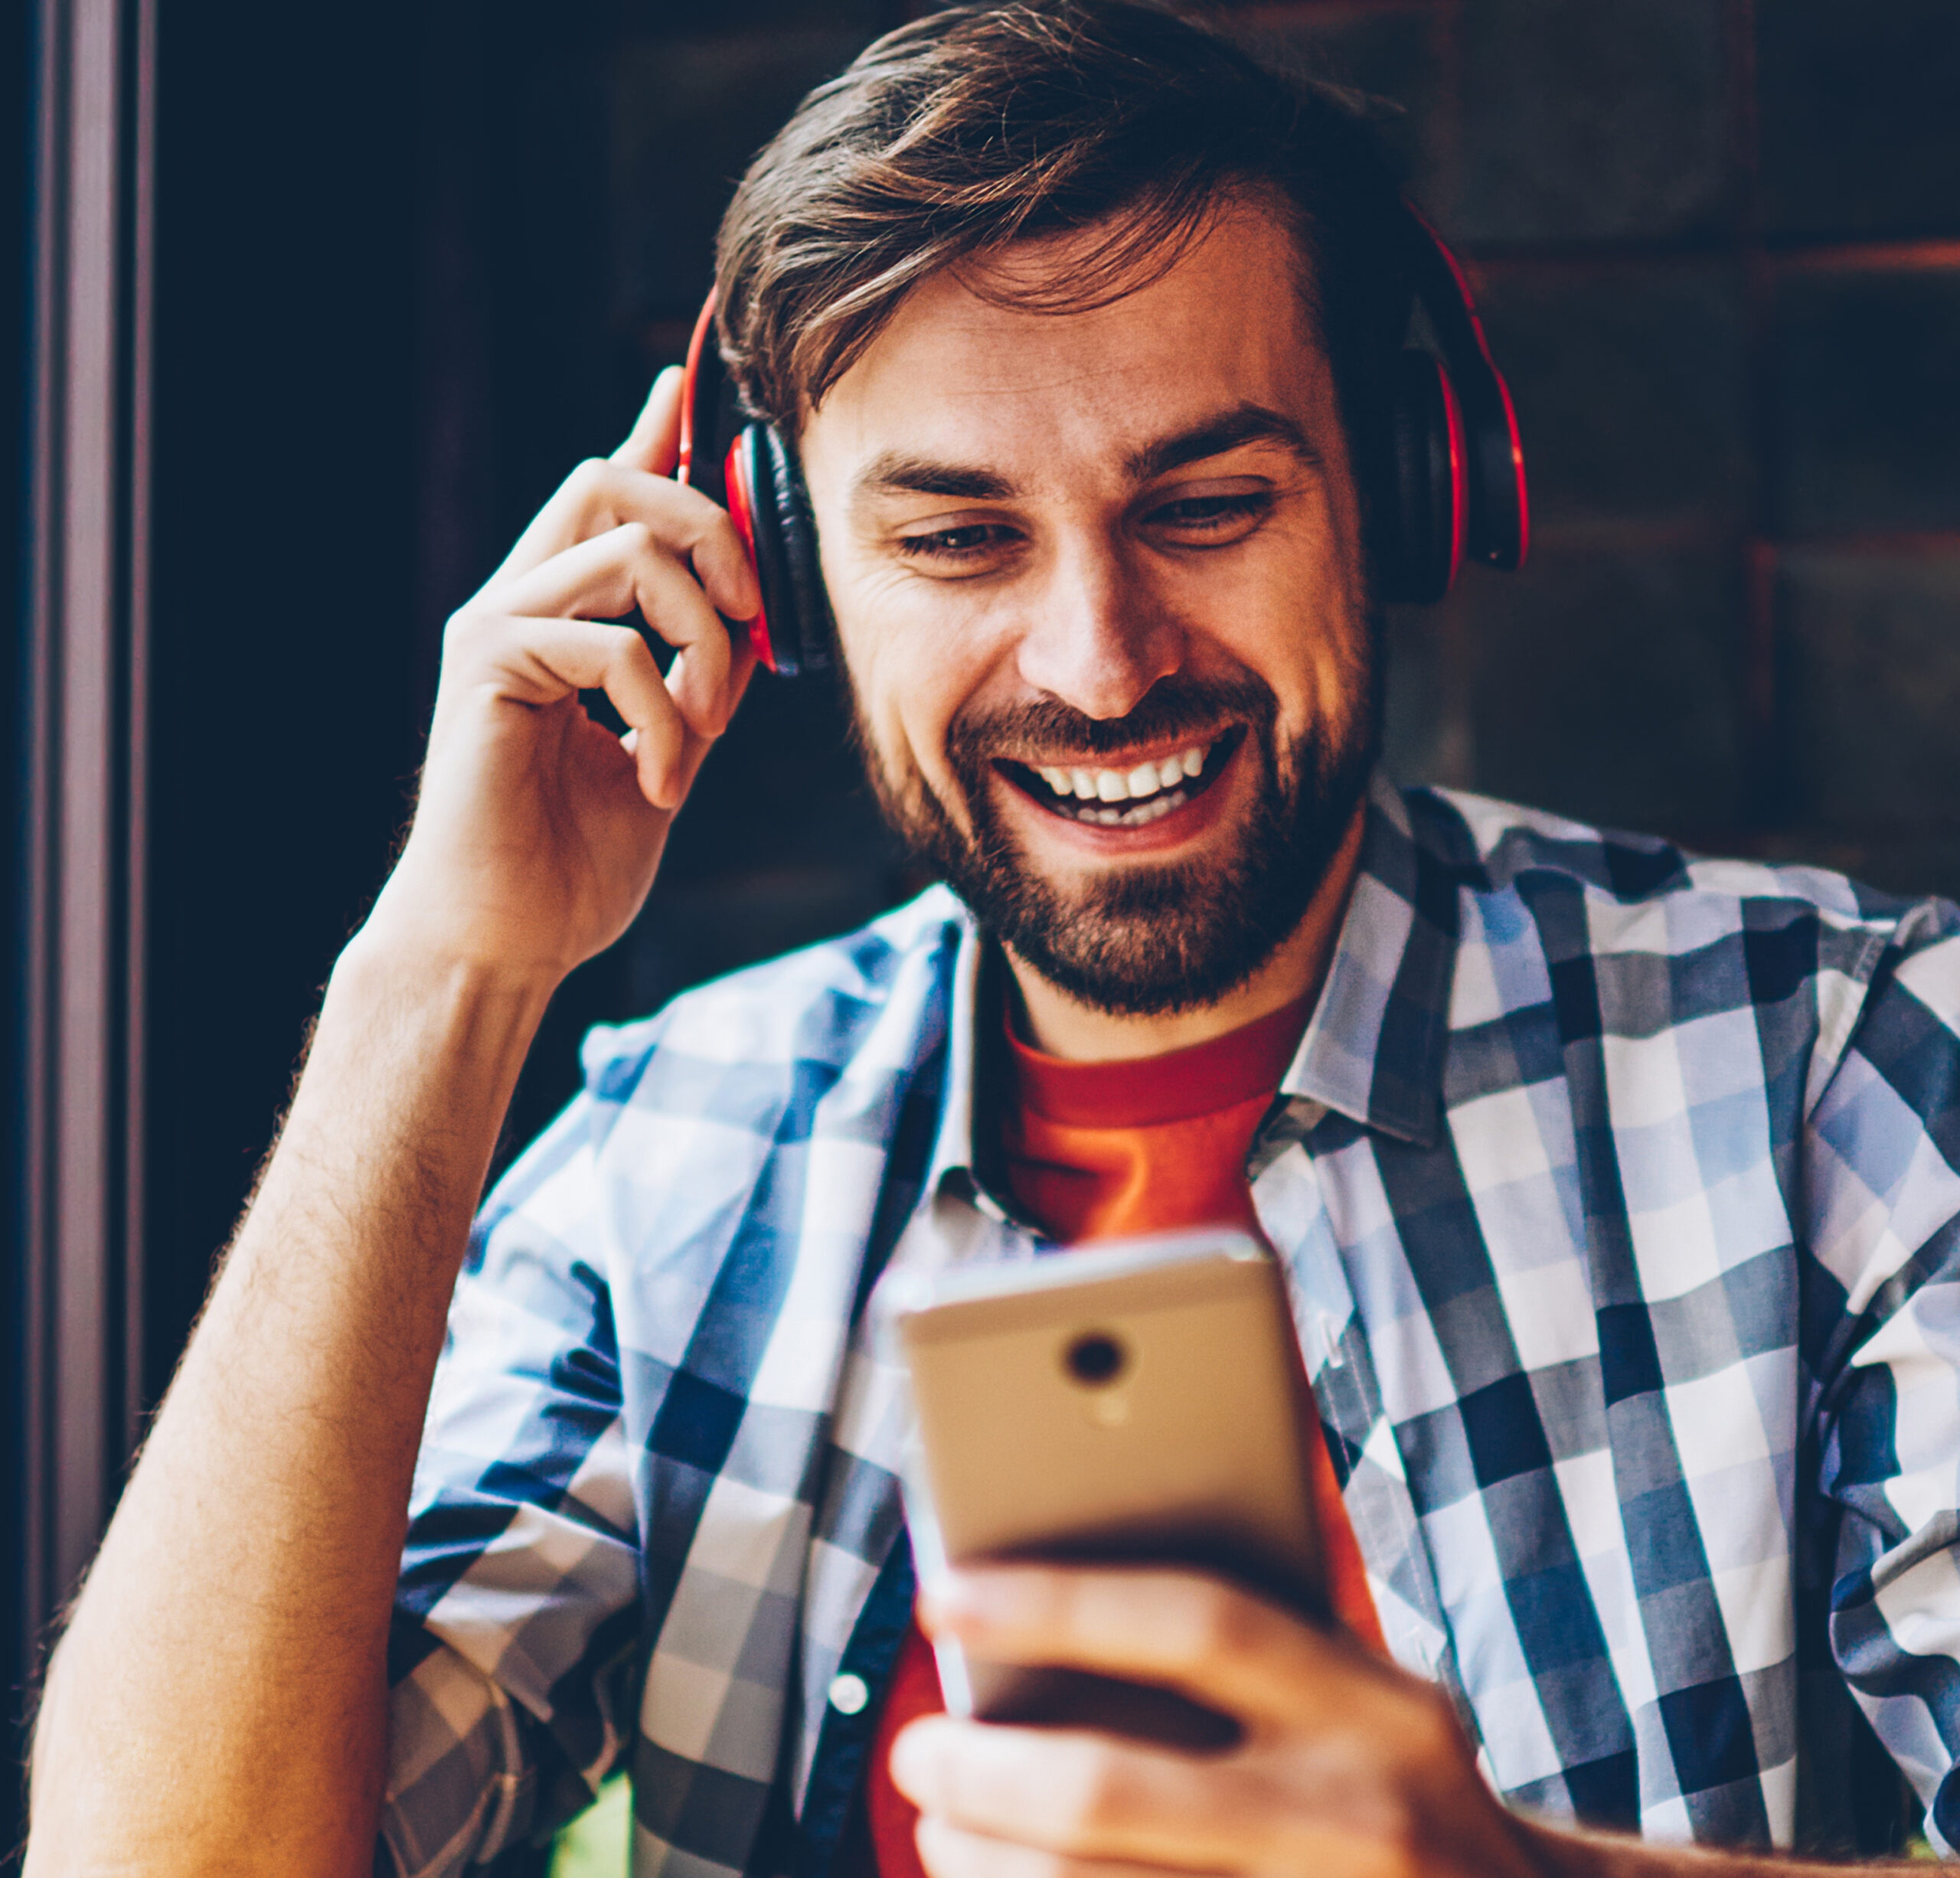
x,y
1096,1358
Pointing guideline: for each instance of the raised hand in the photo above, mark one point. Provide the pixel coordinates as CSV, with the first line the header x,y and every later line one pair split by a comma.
x,y
537,831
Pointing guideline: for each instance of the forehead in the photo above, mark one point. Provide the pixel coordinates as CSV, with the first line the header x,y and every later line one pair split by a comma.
x,y
961,371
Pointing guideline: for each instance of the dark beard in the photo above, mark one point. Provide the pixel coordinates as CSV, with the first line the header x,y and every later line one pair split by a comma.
x,y
1149,941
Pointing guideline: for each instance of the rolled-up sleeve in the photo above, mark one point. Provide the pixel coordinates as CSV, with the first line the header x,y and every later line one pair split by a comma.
x,y
512,1650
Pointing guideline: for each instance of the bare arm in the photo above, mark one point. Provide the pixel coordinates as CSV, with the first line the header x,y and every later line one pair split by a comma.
x,y
218,1703
224,1674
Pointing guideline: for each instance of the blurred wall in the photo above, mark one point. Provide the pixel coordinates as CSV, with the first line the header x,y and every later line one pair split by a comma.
x,y
286,649
418,259
1718,246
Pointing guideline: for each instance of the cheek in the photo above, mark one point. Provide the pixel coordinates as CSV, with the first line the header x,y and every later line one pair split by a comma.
x,y
908,691
1295,618
886,719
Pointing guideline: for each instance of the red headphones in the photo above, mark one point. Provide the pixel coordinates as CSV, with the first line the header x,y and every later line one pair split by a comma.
x,y
1452,475
1455,470
755,476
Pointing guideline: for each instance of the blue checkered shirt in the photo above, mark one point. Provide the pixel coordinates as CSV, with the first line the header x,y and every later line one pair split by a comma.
x,y
1617,1194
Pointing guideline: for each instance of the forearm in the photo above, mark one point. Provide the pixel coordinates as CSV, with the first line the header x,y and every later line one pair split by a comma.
x,y
1566,1854
219,1702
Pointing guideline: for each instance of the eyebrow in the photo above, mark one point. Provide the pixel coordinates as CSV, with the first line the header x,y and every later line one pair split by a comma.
x,y
893,472
1213,436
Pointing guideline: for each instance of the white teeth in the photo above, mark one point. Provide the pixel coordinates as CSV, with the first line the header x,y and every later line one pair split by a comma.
x,y
1145,783
1136,817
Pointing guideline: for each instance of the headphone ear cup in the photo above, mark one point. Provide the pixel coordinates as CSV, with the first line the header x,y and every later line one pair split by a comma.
x,y
792,632
1420,516
803,637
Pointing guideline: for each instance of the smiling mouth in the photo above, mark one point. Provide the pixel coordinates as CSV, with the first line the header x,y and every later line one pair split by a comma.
x,y
1130,797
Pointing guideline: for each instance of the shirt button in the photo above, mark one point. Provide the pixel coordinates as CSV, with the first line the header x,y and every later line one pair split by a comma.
x,y
848,1694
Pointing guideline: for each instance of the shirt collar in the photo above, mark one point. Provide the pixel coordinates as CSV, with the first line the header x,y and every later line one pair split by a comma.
x,y
1373,1050
1374,1047
953,1150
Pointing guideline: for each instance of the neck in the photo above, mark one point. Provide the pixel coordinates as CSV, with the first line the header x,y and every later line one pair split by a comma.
x,y
1078,1033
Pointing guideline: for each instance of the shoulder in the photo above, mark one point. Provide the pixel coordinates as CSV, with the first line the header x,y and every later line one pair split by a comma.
x,y
1626,880
870,1000
1664,936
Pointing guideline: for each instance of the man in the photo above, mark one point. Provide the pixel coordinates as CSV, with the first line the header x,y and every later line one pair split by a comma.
x,y
1616,1193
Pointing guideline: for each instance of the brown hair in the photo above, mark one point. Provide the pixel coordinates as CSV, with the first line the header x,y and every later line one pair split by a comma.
x,y
980,126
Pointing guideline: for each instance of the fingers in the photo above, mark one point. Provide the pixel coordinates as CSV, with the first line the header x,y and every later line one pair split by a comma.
x,y
604,494
541,662
654,442
619,534
948,1852
619,572
1348,1764
1086,1796
1219,1644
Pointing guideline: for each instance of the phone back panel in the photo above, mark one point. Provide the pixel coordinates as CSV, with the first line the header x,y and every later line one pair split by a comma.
x,y
1180,1440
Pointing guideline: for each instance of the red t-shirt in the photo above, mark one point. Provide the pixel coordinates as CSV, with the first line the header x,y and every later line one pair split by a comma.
x,y
1101,1150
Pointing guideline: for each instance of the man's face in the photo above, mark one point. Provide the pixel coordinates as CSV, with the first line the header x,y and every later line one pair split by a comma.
x,y
1097,577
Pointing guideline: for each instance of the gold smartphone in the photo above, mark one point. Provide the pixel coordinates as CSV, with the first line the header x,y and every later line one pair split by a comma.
x,y
1140,1402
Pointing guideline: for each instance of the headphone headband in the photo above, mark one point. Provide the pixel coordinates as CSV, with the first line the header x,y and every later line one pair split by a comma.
x,y
1455,469
1498,523
704,386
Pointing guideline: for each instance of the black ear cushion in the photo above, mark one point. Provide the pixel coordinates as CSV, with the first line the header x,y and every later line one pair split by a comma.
x,y
806,632
794,602
766,542
1414,524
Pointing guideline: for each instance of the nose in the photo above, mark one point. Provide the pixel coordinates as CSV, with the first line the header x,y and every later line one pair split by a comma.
x,y
1096,638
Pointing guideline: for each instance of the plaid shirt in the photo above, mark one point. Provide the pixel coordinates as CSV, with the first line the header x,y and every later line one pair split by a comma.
x,y
1617,1193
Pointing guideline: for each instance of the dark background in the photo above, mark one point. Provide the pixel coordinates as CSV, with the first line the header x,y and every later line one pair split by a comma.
x,y
418,259
415,260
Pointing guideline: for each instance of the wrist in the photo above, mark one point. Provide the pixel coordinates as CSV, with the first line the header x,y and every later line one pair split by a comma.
x,y
1566,1851
402,960
458,1016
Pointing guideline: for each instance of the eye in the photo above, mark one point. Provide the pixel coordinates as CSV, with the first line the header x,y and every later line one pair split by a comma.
x,y
1212,517
970,541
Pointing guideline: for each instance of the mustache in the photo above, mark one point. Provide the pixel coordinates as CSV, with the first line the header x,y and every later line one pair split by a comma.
x,y
1174,707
